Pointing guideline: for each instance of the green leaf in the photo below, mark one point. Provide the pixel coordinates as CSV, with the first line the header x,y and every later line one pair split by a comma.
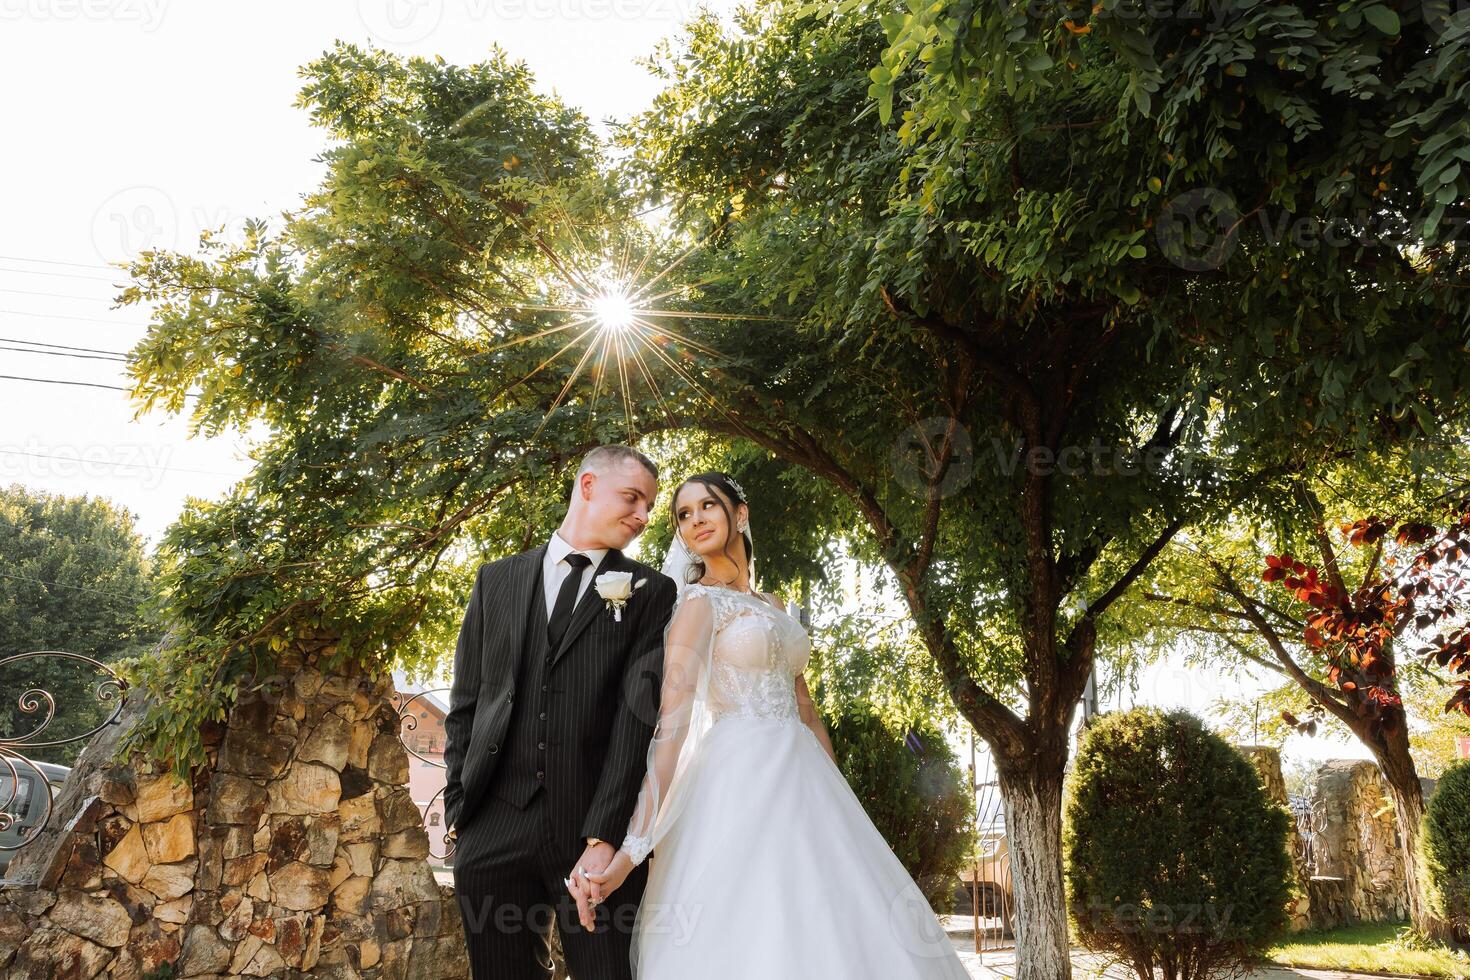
x,y
1382,18
1425,417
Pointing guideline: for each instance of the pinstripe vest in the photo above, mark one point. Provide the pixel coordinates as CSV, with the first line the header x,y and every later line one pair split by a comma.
x,y
522,769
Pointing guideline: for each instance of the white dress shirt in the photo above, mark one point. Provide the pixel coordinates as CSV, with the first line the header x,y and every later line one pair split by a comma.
x,y
554,570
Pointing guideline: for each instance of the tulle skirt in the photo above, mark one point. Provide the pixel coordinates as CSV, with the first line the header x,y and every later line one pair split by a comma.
x,y
773,870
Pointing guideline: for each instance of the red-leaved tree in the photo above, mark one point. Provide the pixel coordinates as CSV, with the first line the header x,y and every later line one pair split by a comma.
x,y
1414,590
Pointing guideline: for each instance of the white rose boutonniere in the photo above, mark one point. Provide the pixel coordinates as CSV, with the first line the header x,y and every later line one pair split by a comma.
x,y
616,588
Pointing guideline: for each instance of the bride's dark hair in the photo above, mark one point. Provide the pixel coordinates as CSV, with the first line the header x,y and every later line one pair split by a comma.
x,y
728,488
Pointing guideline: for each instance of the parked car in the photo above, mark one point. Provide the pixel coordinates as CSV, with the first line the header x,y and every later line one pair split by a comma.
x,y
991,871
29,804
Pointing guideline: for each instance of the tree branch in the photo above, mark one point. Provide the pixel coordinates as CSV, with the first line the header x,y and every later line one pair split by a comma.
x,y
1201,606
1319,692
1139,566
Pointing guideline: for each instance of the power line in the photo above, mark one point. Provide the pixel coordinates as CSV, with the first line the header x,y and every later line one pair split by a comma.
x,y
110,462
85,319
84,384
35,292
56,381
63,585
42,343
79,265
62,275
63,353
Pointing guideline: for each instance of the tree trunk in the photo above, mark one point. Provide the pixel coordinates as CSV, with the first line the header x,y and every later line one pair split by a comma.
x,y
1392,755
1033,809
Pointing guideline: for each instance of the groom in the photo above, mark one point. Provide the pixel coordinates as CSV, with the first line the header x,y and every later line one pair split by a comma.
x,y
553,703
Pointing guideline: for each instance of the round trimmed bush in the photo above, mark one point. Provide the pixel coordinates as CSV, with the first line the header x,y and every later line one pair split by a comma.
x,y
1445,846
913,791
1176,860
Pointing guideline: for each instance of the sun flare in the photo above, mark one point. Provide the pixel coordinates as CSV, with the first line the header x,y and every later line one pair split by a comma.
x,y
619,331
613,310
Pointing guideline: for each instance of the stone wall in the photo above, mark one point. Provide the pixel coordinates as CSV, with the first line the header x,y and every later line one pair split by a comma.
x,y
1357,844
297,852
1359,874
1267,761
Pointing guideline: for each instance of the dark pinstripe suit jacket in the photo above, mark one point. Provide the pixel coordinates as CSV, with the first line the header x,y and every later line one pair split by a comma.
x,y
605,677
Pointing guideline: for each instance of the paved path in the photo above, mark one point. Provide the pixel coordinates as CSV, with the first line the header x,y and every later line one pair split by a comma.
x,y
1000,964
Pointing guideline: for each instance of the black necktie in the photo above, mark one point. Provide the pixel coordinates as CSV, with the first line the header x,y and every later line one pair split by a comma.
x,y
566,599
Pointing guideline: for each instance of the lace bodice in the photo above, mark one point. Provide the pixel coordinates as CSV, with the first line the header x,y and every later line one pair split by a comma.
x,y
753,651
758,651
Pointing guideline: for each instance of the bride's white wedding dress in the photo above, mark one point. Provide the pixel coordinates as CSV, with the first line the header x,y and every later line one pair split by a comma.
x,y
766,864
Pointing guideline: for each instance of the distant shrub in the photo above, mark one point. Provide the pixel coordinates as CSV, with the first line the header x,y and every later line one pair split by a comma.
x,y
1176,860
1445,846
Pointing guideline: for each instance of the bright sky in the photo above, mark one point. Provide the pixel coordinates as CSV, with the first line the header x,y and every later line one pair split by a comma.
x,y
136,123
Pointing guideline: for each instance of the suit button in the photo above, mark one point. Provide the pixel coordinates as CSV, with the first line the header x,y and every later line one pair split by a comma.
x,y
545,688
494,749
540,745
543,716
540,775
548,661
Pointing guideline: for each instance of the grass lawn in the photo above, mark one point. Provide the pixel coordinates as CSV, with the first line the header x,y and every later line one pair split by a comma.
x,y
1372,948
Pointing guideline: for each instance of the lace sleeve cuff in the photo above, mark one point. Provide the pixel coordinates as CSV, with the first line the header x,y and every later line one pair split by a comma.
x,y
637,848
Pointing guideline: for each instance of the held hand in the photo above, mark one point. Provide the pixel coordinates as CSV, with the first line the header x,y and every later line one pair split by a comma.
x,y
577,887
594,859
611,879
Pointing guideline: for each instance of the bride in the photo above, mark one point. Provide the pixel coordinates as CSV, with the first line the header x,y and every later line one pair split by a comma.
x,y
767,864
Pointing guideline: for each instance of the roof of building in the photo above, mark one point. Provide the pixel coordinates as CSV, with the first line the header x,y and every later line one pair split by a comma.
x,y
438,697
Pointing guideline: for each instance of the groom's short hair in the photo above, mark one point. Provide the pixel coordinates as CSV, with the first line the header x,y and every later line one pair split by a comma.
x,y
603,458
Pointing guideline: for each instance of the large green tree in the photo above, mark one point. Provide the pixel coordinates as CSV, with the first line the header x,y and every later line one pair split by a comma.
x,y
1063,273
75,580
967,351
